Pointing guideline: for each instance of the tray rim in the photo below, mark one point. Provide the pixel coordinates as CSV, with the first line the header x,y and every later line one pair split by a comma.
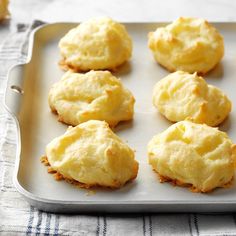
x,y
36,199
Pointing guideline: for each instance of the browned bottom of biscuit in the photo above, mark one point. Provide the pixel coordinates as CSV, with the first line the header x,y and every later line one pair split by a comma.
x,y
64,66
58,176
67,66
192,188
60,118
111,125
5,17
171,69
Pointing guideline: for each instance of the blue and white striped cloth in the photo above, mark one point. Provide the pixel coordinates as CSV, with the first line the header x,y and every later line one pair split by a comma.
x,y
17,217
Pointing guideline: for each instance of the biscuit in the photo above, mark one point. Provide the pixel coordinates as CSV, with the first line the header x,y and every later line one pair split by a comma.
x,y
92,155
181,95
96,95
96,44
187,44
193,154
4,13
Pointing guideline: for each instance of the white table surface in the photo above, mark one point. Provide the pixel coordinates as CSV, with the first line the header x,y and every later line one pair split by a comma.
x,y
122,10
25,11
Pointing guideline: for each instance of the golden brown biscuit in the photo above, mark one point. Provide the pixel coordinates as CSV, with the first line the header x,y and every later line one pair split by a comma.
x,y
93,155
181,95
187,44
4,13
96,44
96,95
193,154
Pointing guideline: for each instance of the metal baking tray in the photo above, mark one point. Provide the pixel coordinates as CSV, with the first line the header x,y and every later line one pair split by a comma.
x,y
37,126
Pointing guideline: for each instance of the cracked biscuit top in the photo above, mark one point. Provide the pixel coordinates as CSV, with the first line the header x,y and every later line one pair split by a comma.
x,y
194,154
181,95
95,95
97,44
187,44
93,155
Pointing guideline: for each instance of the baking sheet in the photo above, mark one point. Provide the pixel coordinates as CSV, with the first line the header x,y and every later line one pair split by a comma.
x,y
37,126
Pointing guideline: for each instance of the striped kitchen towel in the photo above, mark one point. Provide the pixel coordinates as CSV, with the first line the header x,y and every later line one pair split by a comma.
x,y
17,217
